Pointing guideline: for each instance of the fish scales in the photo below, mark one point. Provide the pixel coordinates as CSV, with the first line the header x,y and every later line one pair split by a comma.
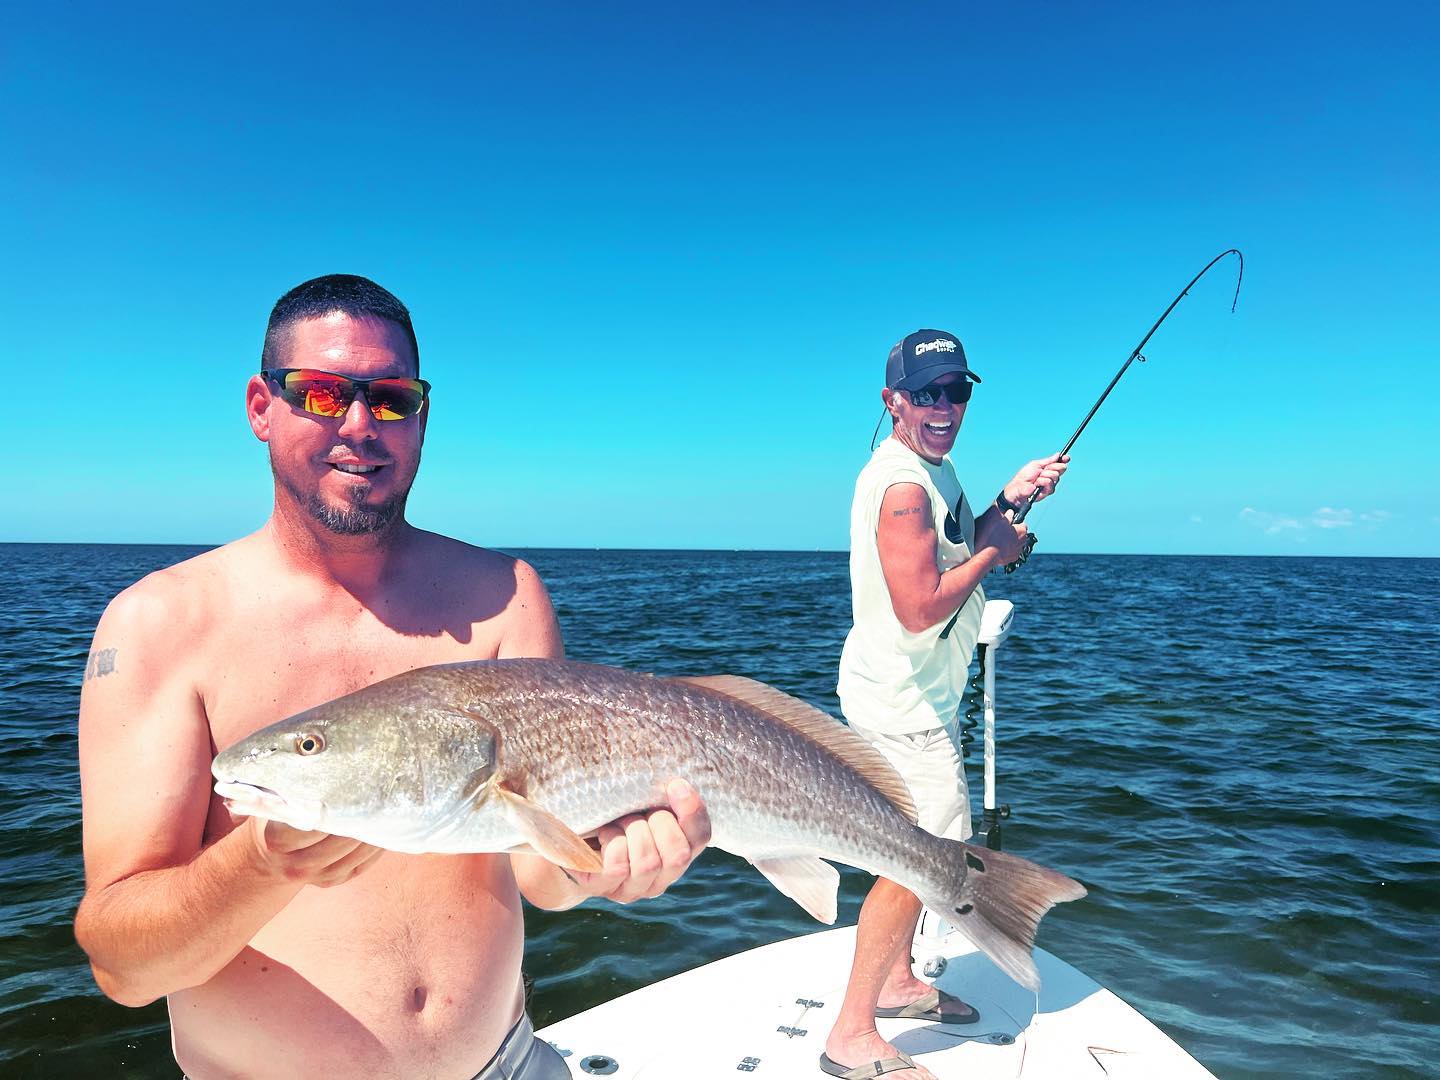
x,y
741,760
593,748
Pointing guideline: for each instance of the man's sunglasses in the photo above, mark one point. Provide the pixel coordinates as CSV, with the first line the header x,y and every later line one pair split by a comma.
x,y
958,392
326,394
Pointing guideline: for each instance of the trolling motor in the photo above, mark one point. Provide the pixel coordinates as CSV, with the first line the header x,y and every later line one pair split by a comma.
x,y
1135,354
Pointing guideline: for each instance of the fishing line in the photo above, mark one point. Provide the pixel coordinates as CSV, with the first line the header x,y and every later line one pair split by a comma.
x,y
1135,354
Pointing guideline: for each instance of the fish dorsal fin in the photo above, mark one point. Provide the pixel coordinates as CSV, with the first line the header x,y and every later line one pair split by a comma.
x,y
819,727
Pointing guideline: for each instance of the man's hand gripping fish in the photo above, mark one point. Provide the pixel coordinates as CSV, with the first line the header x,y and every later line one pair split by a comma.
x,y
533,755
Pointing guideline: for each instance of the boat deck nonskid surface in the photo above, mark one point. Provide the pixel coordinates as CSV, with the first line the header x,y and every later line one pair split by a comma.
x,y
766,1012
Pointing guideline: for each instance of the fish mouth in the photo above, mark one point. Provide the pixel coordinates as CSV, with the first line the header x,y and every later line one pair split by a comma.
x,y
257,800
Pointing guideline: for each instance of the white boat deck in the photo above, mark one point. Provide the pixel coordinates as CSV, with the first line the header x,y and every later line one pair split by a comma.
x,y
766,1013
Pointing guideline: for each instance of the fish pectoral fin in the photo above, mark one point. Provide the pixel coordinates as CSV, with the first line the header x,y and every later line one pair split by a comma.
x,y
809,881
548,835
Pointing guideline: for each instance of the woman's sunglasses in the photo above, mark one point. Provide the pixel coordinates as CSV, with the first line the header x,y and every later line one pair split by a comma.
x,y
324,393
958,392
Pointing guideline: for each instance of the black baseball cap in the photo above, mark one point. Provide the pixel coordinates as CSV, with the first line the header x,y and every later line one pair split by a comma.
x,y
918,359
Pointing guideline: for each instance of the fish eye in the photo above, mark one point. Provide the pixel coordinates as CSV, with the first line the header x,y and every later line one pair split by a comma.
x,y
312,742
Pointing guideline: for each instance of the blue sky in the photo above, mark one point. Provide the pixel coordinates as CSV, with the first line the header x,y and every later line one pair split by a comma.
x,y
656,256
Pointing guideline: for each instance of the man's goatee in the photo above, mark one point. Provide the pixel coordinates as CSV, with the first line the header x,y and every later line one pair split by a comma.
x,y
356,520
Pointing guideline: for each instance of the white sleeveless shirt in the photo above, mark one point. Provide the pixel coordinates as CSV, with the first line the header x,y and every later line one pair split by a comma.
x,y
891,680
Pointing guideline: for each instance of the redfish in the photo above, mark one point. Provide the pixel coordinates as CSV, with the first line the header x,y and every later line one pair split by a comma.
x,y
534,755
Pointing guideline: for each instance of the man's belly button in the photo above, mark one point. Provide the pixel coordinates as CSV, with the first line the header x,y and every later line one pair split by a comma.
x,y
424,1004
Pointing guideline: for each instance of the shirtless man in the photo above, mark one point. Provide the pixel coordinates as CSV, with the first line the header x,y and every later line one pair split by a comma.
x,y
289,953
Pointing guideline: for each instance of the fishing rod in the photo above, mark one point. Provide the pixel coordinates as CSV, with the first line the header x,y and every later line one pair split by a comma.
x,y
1135,354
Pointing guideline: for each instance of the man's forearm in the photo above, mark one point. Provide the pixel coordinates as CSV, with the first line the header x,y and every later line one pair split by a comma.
x,y
956,584
159,931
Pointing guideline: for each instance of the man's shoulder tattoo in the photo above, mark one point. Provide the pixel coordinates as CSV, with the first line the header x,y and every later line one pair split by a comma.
x,y
905,511
101,662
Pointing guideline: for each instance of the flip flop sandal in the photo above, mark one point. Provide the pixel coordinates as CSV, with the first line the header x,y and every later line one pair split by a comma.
x,y
929,1008
864,1072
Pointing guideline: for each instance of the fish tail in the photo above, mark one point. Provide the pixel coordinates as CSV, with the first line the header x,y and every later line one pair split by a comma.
x,y
997,901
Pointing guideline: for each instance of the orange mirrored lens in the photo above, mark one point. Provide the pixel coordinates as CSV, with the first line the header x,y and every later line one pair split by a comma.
x,y
326,400
395,399
325,394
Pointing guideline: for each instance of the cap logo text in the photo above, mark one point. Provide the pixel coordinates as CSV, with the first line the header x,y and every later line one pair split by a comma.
x,y
938,345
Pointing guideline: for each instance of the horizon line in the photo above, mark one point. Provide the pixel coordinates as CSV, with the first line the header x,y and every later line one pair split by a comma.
x,y
505,548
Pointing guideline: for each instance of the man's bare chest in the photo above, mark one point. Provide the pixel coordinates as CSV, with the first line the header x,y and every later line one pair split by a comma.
x,y
264,669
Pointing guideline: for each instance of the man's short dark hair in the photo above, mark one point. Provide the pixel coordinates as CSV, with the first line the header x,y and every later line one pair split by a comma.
x,y
356,296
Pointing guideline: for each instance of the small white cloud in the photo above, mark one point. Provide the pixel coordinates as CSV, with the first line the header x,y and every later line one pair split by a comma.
x,y
1329,518
1272,524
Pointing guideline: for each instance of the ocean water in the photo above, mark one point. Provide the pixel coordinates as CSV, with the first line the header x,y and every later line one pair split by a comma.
x,y
1239,757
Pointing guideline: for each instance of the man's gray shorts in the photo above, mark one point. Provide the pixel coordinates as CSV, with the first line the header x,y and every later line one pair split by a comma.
x,y
521,1057
524,1057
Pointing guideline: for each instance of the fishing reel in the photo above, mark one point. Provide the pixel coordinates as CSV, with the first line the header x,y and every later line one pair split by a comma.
x,y
1030,539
